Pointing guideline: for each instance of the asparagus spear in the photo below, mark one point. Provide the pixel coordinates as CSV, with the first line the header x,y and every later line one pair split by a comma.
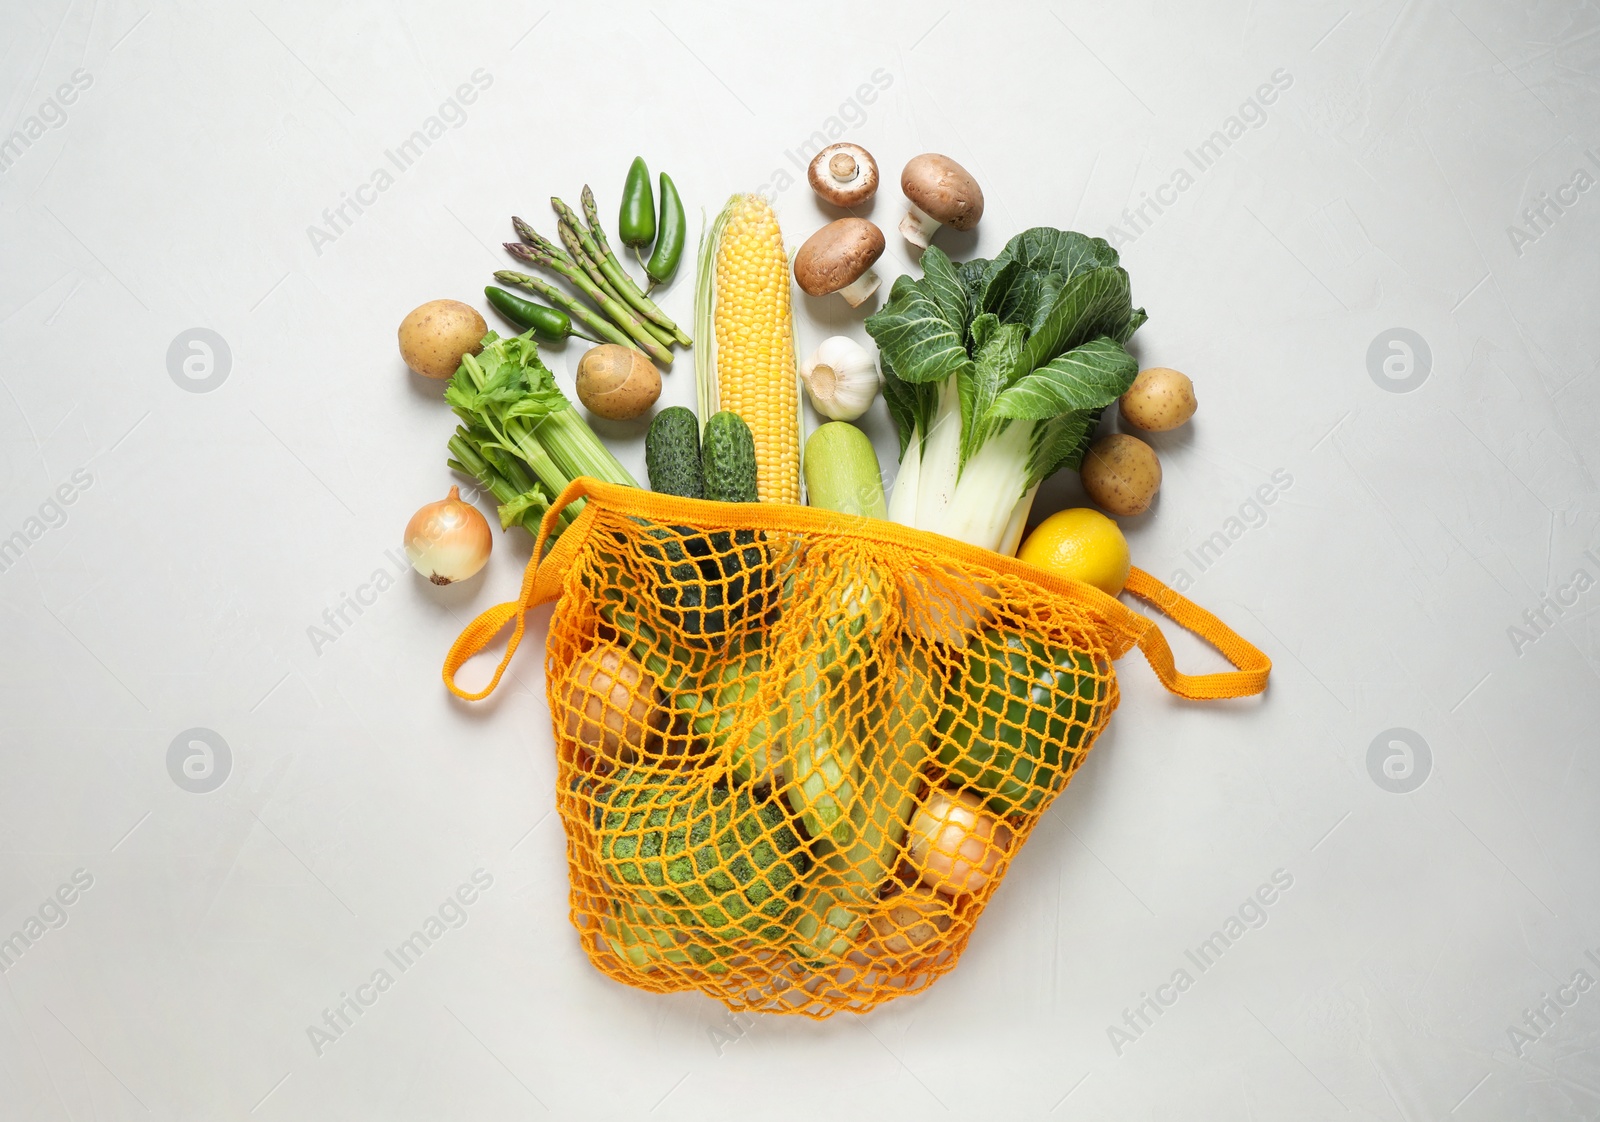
x,y
569,238
595,244
601,327
575,253
549,256
608,262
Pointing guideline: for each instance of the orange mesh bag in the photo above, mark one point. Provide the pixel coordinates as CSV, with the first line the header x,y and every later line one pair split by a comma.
x,y
797,750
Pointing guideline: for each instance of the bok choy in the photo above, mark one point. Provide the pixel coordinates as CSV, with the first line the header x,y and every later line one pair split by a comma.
x,y
996,374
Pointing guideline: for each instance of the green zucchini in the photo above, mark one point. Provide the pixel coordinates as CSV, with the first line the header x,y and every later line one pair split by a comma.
x,y
827,925
821,762
842,471
896,731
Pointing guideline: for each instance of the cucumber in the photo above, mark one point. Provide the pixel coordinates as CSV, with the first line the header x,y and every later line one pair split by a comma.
x,y
672,453
842,471
706,584
728,459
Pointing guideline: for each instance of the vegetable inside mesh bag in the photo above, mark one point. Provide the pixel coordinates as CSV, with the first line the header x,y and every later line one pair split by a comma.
x,y
797,751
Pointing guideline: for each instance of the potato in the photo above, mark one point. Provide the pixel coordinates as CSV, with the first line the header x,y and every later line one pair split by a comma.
x,y
617,382
1121,473
611,704
1159,399
911,919
435,336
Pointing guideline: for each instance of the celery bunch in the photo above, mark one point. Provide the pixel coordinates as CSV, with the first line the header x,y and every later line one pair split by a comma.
x,y
520,437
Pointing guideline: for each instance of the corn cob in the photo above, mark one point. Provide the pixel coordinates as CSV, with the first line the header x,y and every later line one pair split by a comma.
x,y
755,369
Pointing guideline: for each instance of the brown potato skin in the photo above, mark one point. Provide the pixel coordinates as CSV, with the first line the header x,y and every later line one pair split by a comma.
x,y
1121,474
1159,399
617,382
911,919
434,336
611,705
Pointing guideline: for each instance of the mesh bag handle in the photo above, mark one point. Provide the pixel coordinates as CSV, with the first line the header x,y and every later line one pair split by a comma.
x,y
1251,666
542,583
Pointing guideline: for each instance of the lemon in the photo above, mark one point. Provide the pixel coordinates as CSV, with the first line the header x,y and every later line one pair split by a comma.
x,y
1082,544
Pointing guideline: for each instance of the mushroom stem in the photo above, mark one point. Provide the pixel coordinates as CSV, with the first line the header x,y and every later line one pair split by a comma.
x,y
843,174
917,226
862,287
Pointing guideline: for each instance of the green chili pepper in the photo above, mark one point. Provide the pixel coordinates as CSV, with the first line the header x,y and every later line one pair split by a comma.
x,y
549,324
636,224
672,232
1014,719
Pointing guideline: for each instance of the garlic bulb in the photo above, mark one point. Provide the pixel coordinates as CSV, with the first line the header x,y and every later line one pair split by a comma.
x,y
841,378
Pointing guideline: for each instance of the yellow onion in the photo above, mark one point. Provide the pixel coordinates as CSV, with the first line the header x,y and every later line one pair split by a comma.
x,y
955,844
448,540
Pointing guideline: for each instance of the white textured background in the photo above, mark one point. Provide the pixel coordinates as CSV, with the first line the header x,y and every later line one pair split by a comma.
x,y
177,590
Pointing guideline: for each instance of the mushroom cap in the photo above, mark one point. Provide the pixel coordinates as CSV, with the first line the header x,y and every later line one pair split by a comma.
x,y
856,188
836,255
943,189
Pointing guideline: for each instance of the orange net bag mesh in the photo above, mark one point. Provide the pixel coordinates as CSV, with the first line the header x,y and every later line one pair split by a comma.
x,y
797,751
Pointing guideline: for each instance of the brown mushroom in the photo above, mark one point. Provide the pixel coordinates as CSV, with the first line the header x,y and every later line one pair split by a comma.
x,y
839,258
939,191
843,174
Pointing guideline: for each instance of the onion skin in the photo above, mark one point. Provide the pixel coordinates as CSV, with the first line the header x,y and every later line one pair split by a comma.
x,y
449,540
956,845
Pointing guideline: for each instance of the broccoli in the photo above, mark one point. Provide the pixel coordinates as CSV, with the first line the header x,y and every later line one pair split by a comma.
x,y
714,859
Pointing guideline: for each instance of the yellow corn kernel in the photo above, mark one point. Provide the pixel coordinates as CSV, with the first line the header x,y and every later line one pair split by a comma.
x,y
756,376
